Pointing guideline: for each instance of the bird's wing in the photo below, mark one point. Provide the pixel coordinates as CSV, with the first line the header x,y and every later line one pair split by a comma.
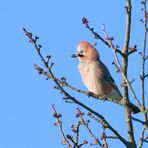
x,y
107,76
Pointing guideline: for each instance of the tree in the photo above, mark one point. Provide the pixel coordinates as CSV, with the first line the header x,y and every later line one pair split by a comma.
x,y
122,67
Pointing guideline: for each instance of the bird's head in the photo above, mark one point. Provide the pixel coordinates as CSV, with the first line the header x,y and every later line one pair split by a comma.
x,y
85,51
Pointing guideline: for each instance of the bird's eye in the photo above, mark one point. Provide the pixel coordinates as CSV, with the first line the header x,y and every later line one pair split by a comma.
x,y
81,51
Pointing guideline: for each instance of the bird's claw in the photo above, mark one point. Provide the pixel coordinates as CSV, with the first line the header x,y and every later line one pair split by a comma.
x,y
89,93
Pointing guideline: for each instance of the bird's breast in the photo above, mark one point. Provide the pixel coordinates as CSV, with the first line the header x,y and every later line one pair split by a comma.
x,y
91,77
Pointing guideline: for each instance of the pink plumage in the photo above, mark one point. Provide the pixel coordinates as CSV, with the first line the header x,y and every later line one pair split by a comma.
x,y
95,75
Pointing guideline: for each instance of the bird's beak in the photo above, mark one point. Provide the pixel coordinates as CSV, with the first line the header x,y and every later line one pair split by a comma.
x,y
74,55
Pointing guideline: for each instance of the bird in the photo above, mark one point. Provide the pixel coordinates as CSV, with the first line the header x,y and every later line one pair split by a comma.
x,y
96,76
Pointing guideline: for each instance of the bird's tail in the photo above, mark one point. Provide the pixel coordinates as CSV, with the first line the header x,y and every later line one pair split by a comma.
x,y
133,108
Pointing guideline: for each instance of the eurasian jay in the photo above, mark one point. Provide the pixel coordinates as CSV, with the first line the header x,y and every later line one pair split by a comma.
x,y
95,75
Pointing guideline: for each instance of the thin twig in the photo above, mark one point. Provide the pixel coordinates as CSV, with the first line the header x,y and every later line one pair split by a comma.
x,y
95,118
65,141
71,139
85,142
145,139
143,55
126,80
77,133
97,36
111,137
103,137
120,68
123,71
146,75
88,129
141,138
130,52
142,122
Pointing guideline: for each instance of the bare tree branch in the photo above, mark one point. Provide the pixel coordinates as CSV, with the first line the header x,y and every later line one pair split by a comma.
x,y
77,133
103,137
141,138
111,137
146,75
88,129
142,122
59,123
132,50
124,69
126,81
65,84
143,56
67,95
97,36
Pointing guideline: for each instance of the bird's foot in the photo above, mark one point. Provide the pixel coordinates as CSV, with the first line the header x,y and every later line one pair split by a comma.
x,y
89,93
105,99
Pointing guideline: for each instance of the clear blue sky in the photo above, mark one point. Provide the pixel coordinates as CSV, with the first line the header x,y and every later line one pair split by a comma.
x,y
26,97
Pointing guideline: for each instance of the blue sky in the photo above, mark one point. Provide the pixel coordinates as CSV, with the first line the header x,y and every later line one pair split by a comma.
x,y
26,97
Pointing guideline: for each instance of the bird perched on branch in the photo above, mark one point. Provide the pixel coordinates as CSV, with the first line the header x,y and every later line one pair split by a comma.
x,y
96,76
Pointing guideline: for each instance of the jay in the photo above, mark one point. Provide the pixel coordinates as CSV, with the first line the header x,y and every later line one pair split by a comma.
x,y
95,75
